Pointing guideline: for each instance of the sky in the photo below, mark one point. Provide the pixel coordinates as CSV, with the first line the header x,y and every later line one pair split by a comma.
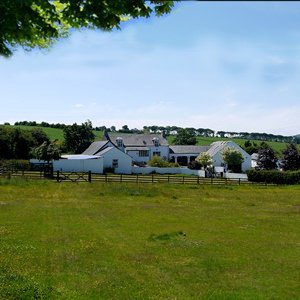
x,y
231,66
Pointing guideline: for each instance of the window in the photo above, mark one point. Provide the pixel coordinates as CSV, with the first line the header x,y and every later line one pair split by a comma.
x,y
156,153
115,163
119,142
155,142
143,153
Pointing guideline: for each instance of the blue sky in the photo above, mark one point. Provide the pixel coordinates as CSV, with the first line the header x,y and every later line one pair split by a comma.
x,y
232,66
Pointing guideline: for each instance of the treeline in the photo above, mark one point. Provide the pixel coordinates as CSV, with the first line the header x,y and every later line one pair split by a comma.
x,y
173,130
16,143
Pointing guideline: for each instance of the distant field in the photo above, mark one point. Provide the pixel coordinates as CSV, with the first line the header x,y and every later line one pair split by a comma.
x,y
122,241
277,146
56,133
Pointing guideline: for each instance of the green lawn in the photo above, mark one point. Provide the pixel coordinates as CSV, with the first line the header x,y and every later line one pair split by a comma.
x,y
122,241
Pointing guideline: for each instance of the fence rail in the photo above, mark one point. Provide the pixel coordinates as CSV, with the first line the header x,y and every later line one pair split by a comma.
x,y
122,178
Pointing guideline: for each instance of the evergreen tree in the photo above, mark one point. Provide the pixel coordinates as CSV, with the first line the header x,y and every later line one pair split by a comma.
x,y
291,160
266,159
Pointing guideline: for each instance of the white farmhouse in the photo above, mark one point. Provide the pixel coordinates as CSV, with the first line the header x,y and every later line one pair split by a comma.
x,y
141,147
216,149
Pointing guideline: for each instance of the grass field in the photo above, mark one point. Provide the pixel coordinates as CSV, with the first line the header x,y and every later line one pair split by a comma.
x,y
56,133
118,241
204,141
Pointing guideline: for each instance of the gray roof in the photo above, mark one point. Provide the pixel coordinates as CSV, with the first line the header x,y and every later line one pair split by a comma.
x,y
95,147
185,149
79,156
217,147
105,150
137,139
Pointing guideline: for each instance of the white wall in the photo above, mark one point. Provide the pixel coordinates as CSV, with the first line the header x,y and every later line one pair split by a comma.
x,y
149,170
235,176
124,161
79,165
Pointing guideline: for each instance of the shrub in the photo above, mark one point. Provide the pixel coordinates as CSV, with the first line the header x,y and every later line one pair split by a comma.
x,y
157,161
276,177
194,165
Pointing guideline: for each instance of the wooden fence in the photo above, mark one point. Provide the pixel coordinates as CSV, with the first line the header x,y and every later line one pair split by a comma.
x,y
121,178
154,178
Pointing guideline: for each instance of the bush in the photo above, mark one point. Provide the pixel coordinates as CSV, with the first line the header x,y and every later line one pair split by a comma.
x,y
15,164
157,161
194,165
276,177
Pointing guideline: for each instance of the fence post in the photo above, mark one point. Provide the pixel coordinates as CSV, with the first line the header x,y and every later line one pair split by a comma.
x,y
137,178
121,178
57,176
198,180
152,178
90,176
168,178
105,177
211,181
183,179
239,181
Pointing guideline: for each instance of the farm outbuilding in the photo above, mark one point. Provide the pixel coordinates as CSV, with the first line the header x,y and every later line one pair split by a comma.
x,y
79,163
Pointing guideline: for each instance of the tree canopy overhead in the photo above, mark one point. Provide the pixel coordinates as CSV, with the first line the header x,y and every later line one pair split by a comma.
x,y
38,23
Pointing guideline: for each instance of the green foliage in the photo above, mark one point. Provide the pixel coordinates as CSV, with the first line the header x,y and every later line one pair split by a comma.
x,y
291,159
267,159
157,161
38,23
276,177
46,151
194,165
16,143
78,137
205,159
185,137
233,158
15,164
250,147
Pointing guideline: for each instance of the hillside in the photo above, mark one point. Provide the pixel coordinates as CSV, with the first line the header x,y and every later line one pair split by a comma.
x,y
57,134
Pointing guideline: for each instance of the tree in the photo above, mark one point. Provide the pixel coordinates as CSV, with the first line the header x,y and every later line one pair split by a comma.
x,y
78,137
185,137
291,159
38,23
266,159
205,160
46,151
233,158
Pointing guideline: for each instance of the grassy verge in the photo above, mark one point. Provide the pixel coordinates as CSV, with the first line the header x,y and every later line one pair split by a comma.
x,y
123,241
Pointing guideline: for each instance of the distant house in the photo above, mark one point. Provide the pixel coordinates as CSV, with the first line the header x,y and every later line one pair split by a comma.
x,y
140,147
216,149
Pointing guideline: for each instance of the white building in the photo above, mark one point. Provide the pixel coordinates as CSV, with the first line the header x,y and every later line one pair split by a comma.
x,y
216,149
141,147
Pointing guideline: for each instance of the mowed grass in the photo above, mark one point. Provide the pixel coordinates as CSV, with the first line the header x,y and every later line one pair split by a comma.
x,y
126,241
